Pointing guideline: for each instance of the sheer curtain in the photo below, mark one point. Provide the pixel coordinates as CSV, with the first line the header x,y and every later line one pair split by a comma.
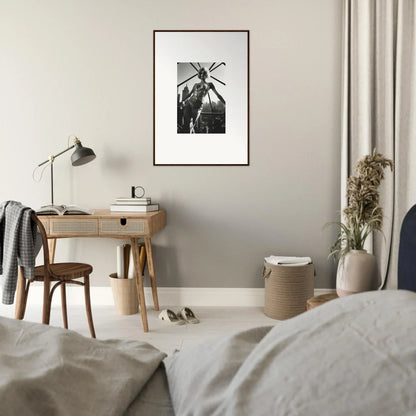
x,y
379,110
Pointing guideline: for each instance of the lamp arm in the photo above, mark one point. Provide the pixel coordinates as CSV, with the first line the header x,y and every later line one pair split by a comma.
x,y
51,158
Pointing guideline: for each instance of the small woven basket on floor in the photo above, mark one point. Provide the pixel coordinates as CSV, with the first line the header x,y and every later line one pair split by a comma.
x,y
287,288
124,295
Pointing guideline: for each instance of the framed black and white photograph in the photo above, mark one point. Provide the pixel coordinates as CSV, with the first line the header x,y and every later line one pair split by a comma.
x,y
201,92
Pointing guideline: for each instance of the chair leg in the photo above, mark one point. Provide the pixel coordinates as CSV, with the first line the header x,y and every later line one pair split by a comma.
x,y
26,296
63,303
88,305
46,312
21,295
21,306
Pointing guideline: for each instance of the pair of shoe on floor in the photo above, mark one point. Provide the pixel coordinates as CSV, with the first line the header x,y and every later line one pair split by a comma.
x,y
185,315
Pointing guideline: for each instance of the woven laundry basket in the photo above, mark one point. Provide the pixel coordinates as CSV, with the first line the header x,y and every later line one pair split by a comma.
x,y
287,288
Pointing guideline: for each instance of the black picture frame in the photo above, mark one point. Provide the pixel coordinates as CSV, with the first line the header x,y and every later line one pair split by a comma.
x,y
205,123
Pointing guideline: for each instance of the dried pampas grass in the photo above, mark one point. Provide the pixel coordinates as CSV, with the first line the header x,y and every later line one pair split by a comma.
x,y
363,213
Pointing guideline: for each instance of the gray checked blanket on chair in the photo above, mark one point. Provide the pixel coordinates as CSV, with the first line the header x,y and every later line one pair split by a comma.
x,y
18,246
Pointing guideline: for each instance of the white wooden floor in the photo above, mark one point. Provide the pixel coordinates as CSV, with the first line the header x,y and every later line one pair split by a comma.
x,y
167,337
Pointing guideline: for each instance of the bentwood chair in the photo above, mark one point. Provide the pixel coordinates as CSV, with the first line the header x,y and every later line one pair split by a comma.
x,y
60,274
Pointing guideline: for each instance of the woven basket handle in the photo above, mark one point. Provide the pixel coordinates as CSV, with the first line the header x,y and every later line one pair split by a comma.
x,y
266,272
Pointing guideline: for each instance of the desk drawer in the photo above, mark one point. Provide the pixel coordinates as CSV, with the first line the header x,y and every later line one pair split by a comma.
x,y
71,228
123,226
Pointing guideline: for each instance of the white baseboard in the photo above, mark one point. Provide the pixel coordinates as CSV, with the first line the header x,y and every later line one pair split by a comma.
x,y
168,296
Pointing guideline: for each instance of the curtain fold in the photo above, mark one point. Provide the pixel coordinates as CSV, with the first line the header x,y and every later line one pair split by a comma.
x,y
379,111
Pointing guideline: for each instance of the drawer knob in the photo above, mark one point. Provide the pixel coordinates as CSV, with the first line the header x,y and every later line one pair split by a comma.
x,y
123,221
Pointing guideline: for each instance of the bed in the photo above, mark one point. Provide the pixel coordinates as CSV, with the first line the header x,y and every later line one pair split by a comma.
x,y
351,356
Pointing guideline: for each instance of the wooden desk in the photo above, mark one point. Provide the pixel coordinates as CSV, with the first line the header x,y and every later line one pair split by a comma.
x,y
107,224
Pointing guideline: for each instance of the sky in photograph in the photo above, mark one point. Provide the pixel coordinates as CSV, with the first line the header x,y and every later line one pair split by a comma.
x,y
185,71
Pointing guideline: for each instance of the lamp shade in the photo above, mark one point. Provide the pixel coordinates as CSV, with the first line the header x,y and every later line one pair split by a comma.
x,y
82,155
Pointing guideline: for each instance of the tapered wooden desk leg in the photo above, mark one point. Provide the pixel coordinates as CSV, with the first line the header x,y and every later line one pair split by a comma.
x,y
152,276
139,282
19,311
142,257
52,247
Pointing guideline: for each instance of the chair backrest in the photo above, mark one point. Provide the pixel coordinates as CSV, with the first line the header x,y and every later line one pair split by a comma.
x,y
45,245
406,273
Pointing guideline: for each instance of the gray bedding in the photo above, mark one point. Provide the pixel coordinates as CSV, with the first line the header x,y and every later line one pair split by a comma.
x,y
352,356
52,371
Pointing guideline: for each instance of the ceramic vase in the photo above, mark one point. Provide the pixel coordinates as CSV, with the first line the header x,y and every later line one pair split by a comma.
x,y
357,272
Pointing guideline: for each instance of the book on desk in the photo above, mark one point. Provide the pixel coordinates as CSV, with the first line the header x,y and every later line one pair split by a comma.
x,y
134,208
133,205
64,210
133,201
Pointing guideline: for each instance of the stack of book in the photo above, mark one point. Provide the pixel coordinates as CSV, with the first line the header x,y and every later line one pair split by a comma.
x,y
134,205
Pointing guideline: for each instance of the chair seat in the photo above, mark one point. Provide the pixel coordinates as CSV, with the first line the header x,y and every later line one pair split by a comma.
x,y
65,271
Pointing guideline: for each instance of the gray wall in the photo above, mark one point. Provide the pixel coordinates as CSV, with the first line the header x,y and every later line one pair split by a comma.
x,y
85,68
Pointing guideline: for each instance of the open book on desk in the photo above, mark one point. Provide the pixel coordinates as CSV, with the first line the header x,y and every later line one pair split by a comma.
x,y
64,210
